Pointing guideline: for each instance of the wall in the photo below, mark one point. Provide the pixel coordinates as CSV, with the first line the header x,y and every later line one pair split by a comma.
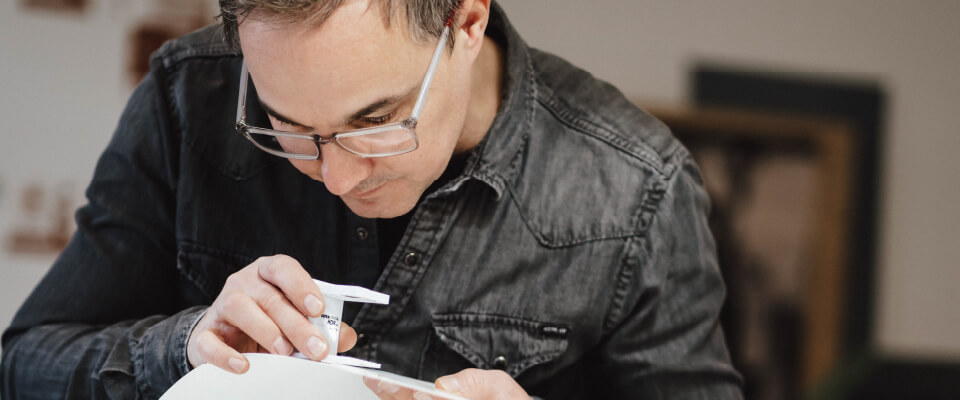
x,y
63,85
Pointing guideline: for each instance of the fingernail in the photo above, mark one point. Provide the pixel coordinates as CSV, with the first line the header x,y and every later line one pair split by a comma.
x,y
422,396
237,364
280,346
376,388
317,346
388,387
313,304
449,384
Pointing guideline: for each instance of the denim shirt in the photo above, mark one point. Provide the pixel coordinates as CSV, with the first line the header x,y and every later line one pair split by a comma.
x,y
572,251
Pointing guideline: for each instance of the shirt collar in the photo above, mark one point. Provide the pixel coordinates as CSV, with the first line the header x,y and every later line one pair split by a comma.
x,y
496,160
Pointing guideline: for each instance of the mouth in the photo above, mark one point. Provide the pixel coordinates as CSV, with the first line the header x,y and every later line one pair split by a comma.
x,y
368,193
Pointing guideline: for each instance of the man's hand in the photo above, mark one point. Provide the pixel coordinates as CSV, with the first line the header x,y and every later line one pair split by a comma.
x,y
474,384
263,308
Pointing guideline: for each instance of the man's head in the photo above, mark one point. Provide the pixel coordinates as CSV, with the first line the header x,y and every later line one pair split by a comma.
x,y
317,63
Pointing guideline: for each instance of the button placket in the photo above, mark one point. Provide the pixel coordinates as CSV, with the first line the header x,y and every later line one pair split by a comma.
x,y
423,235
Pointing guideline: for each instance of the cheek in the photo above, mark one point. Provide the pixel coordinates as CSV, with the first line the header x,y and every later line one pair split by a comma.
x,y
444,122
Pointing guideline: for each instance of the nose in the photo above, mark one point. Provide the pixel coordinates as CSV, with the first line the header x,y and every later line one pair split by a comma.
x,y
342,170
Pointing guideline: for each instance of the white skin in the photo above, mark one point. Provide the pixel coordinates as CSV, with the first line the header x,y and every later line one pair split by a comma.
x,y
317,77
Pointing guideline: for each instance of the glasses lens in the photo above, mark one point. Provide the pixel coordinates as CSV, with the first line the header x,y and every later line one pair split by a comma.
x,y
384,143
284,144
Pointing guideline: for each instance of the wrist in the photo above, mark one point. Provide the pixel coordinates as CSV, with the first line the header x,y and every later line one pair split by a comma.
x,y
185,364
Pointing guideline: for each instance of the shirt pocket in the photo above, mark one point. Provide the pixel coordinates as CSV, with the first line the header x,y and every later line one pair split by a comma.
x,y
487,341
204,271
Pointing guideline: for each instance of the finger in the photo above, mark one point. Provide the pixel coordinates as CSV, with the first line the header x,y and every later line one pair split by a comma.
x,y
348,338
288,275
241,311
374,386
422,396
481,384
214,351
294,325
393,391
389,391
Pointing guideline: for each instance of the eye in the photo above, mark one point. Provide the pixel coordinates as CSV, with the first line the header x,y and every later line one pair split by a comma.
x,y
378,120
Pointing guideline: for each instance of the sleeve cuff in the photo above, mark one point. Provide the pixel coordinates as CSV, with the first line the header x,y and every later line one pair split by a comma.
x,y
160,356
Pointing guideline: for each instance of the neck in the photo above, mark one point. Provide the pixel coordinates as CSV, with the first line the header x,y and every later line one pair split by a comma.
x,y
486,86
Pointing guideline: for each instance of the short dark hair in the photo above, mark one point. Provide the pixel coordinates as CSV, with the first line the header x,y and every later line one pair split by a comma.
x,y
425,18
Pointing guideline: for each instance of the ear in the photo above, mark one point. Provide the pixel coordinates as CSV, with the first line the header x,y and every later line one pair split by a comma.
x,y
472,24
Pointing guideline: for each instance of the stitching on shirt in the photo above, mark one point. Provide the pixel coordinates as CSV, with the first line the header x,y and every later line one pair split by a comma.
x,y
177,50
536,230
655,191
532,328
448,211
565,115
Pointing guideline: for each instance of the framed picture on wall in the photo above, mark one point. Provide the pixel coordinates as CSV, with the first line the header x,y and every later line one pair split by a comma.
x,y
780,192
862,103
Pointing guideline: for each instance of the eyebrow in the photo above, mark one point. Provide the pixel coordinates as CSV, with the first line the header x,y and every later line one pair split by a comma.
x,y
380,104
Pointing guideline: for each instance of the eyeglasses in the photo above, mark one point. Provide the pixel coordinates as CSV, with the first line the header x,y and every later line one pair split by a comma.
x,y
377,141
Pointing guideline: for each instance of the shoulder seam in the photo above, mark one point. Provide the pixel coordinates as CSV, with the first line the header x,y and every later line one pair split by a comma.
x,y
638,149
173,57
194,45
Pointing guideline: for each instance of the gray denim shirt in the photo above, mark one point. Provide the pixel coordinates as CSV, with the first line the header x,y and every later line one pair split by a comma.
x,y
572,252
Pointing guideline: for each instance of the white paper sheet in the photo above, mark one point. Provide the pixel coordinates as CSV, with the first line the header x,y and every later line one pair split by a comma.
x,y
282,377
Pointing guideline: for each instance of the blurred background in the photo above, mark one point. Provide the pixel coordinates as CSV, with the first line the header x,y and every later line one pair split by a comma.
x,y
826,132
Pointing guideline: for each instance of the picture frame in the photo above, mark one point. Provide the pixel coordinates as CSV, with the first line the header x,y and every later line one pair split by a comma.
x,y
780,187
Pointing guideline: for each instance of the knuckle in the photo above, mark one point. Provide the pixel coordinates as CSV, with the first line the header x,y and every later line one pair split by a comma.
x,y
233,279
500,375
232,302
304,325
273,267
267,268
472,378
274,301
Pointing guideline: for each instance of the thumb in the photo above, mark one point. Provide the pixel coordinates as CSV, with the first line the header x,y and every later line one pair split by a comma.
x,y
482,384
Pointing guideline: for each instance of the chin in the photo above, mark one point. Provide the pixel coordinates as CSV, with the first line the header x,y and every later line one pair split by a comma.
x,y
378,208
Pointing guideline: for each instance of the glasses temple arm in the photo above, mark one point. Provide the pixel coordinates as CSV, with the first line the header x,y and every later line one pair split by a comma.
x,y
425,87
242,101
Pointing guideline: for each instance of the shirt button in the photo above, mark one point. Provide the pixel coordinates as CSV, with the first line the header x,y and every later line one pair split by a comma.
x,y
362,233
362,340
411,259
500,363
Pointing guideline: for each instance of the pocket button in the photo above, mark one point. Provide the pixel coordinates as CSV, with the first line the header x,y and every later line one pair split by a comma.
x,y
500,363
411,259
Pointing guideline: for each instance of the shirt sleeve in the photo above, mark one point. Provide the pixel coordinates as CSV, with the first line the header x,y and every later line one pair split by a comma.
x,y
106,321
664,340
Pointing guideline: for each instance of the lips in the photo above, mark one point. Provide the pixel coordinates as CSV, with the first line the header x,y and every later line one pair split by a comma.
x,y
369,192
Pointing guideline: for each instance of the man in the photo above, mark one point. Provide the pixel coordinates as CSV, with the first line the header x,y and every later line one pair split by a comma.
x,y
537,233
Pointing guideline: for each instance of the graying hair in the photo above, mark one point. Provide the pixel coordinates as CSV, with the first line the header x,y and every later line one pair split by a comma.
x,y
425,18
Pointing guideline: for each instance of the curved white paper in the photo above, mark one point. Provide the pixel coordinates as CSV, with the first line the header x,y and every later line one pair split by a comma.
x,y
274,376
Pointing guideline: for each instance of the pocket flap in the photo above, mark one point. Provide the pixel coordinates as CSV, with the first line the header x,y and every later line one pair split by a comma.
x,y
500,342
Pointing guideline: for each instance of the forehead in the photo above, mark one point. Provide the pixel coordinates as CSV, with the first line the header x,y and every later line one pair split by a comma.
x,y
352,57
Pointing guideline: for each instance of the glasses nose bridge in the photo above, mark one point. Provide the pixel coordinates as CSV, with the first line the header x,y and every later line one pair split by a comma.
x,y
320,141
